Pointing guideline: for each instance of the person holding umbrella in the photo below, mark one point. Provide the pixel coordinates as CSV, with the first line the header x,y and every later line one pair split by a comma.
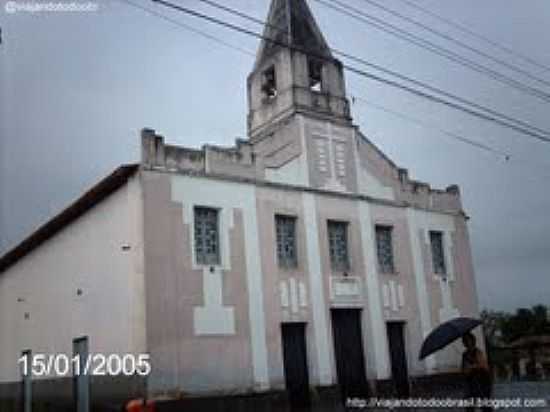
x,y
479,383
474,364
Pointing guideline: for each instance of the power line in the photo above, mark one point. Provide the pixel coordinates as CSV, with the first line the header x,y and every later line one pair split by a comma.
x,y
238,13
505,156
379,68
458,42
354,97
433,47
453,135
446,94
428,45
466,30
360,72
426,125
188,28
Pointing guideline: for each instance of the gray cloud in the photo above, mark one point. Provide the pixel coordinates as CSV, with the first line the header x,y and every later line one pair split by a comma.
x,y
76,90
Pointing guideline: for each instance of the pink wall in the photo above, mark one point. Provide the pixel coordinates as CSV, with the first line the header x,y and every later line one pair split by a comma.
x,y
182,361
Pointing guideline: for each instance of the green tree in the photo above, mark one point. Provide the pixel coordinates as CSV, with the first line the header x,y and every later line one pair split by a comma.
x,y
526,322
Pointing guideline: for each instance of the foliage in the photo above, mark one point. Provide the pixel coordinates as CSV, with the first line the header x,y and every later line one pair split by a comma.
x,y
502,327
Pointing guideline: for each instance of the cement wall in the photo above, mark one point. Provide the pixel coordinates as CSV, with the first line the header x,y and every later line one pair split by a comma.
x,y
85,281
199,356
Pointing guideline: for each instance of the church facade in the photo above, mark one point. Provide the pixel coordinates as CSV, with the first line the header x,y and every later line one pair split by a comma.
x,y
301,257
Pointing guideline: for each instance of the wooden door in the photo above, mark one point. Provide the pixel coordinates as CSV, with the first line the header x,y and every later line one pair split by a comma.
x,y
295,365
348,352
398,357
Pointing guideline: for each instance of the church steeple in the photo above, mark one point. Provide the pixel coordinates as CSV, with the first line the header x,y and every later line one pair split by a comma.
x,y
295,71
291,22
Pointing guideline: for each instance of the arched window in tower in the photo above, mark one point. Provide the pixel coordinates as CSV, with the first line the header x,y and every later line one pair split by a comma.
x,y
269,83
315,68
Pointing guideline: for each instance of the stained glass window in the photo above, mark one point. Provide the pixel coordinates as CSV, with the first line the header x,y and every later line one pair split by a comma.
x,y
286,241
384,247
207,245
338,245
438,254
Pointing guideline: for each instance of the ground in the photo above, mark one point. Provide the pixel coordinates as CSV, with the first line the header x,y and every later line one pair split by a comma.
x,y
525,390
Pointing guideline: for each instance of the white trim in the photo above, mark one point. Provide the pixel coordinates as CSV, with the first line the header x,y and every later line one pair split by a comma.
x,y
333,182
293,295
423,221
190,191
317,293
304,154
213,318
415,223
449,261
386,296
346,290
285,299
393,294
225,223
401,295
256,310
302,293
378,336
445,225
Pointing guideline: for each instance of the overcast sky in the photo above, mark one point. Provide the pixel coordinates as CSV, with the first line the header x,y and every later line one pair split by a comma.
x,y
76,88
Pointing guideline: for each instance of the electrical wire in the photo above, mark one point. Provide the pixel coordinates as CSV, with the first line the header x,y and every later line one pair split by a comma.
x,y
453,135
360,72
472,33
428,45
188,28
458,42
379,68
354,97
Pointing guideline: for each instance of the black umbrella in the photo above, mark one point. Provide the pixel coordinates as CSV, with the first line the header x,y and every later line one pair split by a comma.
x,y
447,333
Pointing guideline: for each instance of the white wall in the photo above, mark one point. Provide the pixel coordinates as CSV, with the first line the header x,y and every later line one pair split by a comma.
x,y
88,255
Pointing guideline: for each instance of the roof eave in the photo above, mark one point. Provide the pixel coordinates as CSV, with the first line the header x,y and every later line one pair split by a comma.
x,y
88,200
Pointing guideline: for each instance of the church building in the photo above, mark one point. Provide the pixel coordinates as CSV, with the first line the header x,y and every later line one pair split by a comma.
x,y
300,259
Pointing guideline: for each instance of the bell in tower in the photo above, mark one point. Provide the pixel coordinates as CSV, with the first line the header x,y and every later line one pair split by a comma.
x,y
294,72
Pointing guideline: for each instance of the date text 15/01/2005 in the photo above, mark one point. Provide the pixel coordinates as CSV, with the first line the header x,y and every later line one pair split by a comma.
x,y
97,364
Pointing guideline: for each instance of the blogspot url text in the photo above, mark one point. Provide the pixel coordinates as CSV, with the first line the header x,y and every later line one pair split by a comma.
x,y
444,403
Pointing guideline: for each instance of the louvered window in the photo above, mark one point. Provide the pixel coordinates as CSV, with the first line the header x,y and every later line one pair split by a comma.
x,y
207,245
384,248
286,241
338,245
438,253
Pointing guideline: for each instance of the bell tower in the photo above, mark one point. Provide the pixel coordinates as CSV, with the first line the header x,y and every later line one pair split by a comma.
x,y
295,71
